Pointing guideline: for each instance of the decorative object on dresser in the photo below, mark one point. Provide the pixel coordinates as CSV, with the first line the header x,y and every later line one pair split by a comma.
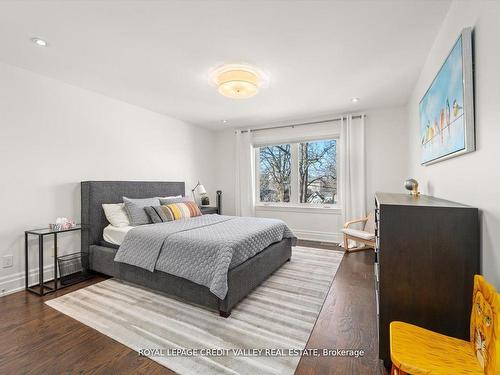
x,y
412,186
44,287
426,256
366,235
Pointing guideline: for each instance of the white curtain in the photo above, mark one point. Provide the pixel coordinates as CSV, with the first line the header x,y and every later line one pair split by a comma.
x,y
352,168
245,174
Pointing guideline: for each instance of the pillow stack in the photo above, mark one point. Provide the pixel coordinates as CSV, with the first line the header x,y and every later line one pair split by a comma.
x,y
132,212
174,211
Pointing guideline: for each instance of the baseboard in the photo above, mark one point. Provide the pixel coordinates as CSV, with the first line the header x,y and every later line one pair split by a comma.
x,y
317,236
15,282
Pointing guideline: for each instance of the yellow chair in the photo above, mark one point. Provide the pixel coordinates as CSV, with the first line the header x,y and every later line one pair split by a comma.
x,y
418,351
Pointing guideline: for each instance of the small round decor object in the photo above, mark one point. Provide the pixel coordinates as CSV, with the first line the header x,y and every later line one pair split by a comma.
x,y
412,185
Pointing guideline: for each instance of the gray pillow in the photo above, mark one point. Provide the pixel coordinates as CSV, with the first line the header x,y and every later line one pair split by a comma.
x,y
157,215
135,209
165,201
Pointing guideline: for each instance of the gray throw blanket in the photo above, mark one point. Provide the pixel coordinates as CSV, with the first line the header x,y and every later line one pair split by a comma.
x,y
201,249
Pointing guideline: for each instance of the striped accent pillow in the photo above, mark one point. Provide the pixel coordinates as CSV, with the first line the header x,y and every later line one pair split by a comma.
x,y
174,211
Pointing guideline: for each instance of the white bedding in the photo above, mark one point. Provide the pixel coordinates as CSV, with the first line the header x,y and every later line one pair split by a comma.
x,y
115,235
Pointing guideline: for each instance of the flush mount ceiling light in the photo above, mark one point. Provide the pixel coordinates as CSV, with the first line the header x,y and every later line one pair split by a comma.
x,y
39,42
354,100
238,81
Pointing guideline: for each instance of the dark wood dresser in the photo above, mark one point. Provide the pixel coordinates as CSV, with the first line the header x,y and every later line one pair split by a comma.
x,y
426,256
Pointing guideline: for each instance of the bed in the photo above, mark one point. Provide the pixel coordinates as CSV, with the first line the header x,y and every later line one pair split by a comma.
x,y
241,279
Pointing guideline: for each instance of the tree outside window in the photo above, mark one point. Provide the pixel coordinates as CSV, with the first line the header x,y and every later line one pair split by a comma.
x,y
315,180
275,171
318,172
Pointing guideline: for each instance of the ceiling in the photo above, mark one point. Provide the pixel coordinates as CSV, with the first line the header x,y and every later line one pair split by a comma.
x,y
157,54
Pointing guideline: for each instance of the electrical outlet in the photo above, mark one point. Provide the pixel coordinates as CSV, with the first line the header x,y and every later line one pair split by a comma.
x,y
7,261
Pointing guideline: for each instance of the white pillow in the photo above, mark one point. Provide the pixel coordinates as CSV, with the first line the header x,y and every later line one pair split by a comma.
x,y
116,214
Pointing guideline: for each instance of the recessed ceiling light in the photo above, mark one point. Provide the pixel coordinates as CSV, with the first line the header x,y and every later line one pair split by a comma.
x,y
238,81
224,121
40,42
354,100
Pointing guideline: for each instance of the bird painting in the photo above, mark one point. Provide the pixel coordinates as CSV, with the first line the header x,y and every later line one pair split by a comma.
x,y
442,123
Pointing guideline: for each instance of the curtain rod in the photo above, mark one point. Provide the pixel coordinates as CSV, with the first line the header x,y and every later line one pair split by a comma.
x,y
299,124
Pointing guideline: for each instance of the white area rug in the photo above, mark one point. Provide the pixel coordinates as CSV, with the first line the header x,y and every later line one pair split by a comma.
x,y
280,313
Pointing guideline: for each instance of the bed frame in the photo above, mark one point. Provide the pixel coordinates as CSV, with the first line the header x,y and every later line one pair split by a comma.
x,y
241,279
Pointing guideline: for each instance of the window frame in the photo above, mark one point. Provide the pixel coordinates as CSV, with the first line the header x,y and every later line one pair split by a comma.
x,y
294,203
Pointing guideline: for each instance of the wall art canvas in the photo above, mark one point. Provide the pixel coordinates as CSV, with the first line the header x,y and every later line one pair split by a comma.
x,y
447,108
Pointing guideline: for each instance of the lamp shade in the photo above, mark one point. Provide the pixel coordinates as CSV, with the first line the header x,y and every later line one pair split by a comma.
x,y
201,189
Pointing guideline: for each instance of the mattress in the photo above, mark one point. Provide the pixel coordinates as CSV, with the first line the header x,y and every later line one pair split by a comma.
x,y
115,235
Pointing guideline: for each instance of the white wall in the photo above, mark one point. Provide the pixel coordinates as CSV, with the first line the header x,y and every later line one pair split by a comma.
x,y
54,135
386,152
474,178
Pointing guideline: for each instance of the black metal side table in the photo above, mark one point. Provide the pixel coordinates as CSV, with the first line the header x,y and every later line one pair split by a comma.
x,y
42,288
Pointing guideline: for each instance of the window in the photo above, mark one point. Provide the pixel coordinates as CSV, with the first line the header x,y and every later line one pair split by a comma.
x,y
318,172
275,173
303,173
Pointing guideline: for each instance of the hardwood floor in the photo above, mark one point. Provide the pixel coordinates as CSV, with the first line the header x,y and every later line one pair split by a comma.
x,y
36,339
347,321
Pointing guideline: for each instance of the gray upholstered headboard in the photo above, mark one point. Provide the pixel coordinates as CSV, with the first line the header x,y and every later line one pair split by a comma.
x,y
95,193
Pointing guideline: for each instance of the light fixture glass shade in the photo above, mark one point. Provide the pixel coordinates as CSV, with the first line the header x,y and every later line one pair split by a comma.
x,y
238,84
237,81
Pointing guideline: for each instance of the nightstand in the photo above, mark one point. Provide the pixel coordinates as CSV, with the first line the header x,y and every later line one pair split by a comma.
x,y
206,210
42,287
